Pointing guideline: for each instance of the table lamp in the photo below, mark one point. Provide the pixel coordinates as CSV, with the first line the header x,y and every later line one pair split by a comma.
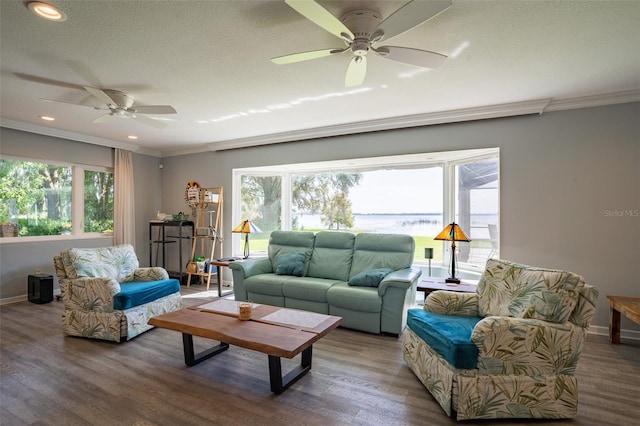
x,y
246,227
453,233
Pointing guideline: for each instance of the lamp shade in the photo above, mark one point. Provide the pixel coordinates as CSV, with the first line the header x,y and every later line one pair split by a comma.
x,y
246,227
452,232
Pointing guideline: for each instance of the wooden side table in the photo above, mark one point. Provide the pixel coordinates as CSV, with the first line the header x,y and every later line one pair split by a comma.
x,y
627,306
431,284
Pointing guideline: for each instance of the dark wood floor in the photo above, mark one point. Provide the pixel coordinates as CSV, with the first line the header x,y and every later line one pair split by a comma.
x,y
356,379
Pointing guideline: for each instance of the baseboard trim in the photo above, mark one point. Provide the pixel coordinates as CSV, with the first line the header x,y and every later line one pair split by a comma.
x,y
624,334
23,297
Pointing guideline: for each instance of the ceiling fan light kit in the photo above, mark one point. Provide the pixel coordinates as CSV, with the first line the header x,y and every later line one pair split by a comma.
x,y
361,29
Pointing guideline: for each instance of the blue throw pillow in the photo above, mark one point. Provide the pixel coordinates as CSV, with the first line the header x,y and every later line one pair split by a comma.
x,y
291,264
370,278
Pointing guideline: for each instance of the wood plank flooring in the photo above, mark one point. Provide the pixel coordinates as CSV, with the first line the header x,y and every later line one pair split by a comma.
x,y
47,378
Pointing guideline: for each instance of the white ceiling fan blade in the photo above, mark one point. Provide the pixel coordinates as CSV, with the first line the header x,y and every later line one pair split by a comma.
x,y
70,103
305,56
356,71
154,109
148,121
407,55
321,17
410,15
100,95
103,118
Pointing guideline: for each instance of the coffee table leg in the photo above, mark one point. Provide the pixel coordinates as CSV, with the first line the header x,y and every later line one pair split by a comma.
x,y
614,325
191,358
280,383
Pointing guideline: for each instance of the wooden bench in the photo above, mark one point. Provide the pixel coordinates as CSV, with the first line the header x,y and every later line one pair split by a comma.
x,y
627,306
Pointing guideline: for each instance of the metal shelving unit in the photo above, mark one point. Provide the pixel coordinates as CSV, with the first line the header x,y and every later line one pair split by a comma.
x,y
179,231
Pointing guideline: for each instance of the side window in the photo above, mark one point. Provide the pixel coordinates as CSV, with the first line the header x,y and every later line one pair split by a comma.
x,y
98,201
36,199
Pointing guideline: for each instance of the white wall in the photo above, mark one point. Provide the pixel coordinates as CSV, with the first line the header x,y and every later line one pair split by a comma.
x,y
560,174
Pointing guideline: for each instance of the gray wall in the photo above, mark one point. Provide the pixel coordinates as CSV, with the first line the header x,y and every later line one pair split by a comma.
x,y
560,174
563,176
19,259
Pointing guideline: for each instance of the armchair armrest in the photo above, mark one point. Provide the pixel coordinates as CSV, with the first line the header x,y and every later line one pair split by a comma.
x,y
403,279
452,303
91,294
527,346
155,273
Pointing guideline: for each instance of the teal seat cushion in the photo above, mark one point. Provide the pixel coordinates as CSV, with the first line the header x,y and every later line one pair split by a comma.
x,y
449,335
134,294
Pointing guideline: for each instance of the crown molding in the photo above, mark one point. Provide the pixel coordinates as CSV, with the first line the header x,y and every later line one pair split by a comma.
x,y
538,106
64,134
443,117
595,100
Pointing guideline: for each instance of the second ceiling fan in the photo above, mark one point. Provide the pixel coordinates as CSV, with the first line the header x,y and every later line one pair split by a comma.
x,y
361,30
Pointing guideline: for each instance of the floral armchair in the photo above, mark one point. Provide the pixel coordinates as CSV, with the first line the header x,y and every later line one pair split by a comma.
x,y
508,351
107,296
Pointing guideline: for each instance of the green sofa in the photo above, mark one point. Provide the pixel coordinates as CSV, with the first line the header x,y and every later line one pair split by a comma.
x,y
338,275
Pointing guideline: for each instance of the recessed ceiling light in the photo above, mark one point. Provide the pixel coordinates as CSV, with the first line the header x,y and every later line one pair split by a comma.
x,y
132,137
47,11
47,117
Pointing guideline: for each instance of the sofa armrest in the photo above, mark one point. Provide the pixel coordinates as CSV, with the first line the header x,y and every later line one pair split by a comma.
x,y
242,270
527,346
452,303
403,279
155,273
90,294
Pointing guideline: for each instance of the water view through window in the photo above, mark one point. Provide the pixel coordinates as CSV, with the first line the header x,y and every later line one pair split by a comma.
x,y
414,198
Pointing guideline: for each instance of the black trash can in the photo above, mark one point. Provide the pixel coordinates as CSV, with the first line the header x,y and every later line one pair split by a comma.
x,y
40,288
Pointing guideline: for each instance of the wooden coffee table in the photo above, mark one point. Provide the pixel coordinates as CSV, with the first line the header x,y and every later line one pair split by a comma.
x,y
277,332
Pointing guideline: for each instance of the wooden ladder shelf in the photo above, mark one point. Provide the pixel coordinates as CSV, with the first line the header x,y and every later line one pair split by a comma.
x,y
208,231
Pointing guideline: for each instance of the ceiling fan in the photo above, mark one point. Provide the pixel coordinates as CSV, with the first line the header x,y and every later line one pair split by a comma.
x,y
119,104
361,30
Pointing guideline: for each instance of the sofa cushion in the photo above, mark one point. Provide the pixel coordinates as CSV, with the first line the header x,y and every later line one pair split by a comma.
x,y
370,278
449,335
332,255
270,284
521,291
292,264
138,293
362,299
308,288
373,251
281,242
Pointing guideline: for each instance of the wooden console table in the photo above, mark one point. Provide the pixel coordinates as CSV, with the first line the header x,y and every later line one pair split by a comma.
x,y
627,306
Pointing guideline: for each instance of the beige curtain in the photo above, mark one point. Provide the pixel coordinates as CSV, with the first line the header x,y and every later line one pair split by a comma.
x,y
124,223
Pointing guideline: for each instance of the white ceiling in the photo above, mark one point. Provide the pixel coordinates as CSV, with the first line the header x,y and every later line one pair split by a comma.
x,y
210,61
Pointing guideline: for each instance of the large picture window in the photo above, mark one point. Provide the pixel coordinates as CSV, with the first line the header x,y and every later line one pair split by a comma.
x,y
37,199
409,194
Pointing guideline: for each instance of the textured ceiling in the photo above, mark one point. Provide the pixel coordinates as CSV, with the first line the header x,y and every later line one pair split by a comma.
x,y
210,61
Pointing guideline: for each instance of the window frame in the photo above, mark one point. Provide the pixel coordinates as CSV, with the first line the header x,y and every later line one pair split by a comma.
x,y
448,160
77,202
